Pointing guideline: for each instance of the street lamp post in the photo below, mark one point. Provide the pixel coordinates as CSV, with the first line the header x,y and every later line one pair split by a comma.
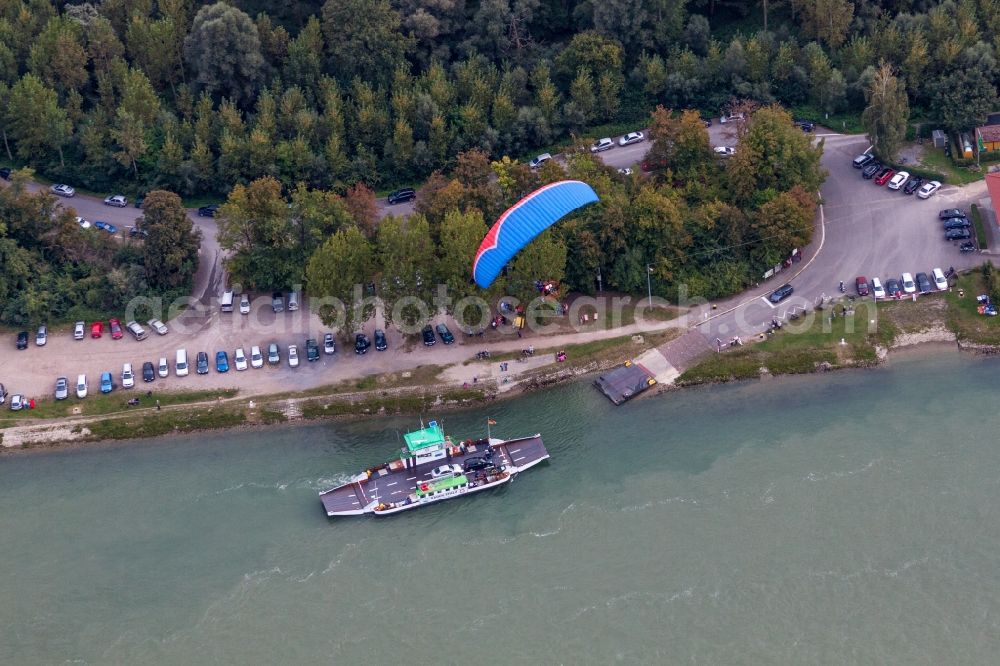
x,y
649,288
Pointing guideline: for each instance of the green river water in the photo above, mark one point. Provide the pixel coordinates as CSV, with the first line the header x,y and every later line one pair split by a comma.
x,y
842,518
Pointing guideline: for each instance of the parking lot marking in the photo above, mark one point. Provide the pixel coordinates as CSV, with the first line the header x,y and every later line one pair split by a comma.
x,y
767,302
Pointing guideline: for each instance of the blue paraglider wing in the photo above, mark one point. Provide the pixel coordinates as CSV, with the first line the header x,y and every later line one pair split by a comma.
x,y
522,223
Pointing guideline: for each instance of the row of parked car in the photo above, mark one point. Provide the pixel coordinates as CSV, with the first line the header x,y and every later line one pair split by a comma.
x,y
956,223
906,284
894,180
115,329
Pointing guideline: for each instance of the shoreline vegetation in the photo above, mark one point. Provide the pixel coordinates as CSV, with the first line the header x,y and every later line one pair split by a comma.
x,y
824,340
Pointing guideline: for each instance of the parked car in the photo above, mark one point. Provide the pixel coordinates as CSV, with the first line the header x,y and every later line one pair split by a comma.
x,y
148,372
256,358
221,361
473,463
732,118
892,288
724,151
138,332
81,387
602,144
781,293
625,171
208,211
940,281
79,332
277,302
240,360
201,363
42,336
630,138
428,335
898,180
139,200
912,184
446,336
84,224
134,232
5,173
908,286
806,125
128,377
293,356
862,160
329,344
361,343
62,388
381,343
163,368
115,327
957,234
877,290
22,340
871,170
956,223
402,195
110,228
107,385
245,304
884,176
446,471
17,402
951,212
97,329
928,190
539,160
312,350
861,285
158,326
62,190
118,200
100,224
3,394
273,354
923,283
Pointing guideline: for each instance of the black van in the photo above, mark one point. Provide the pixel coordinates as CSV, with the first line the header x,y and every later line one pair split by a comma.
x,y
403,195
861,160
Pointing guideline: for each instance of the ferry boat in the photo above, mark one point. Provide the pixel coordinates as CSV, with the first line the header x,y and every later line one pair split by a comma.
x,y
432,468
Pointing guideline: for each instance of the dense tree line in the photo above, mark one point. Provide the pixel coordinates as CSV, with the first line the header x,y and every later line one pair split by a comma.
x,y
707,225
53,269
137,95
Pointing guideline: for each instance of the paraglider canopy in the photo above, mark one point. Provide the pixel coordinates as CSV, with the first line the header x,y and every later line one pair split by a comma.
x,y
523,221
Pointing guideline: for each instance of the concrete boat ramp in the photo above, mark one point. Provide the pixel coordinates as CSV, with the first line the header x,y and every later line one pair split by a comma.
x,y
662,365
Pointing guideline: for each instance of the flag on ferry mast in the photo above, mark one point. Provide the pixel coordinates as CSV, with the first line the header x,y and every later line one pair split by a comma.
x,y
490,421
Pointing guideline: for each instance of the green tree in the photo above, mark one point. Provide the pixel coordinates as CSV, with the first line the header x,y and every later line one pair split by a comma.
x,y
343,262
461,234
407,258
255,228
963,99
223,50
170,251
364,39
58,56
827,20
542,259
36,121
887,113
783,224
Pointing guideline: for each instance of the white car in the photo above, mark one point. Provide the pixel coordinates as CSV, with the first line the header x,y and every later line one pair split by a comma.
x,y
128,377
630,138
445,471
908,286
256,358
724,151
293,356
240,359
878,291
78,330
245,304
329,344
539,161
81,386
158,326
940,281
928,190
84,224
602,144
118,200
898,180
17,402
63,190
625,171
163,369
731,118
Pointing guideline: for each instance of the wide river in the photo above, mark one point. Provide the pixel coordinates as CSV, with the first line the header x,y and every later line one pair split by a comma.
x,y
846,518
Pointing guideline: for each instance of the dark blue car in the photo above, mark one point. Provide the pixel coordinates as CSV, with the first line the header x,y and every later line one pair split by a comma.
x,y
221,362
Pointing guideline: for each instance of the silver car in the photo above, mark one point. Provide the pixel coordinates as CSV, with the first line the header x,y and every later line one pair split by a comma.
x,y
42,336
158,326
62,388
63,190
78,330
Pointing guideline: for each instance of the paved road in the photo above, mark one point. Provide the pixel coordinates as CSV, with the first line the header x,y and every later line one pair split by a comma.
x,y
868,231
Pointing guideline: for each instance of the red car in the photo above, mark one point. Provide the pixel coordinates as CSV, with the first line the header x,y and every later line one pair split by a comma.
x,y
96,329
884,177
861,284
116,329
